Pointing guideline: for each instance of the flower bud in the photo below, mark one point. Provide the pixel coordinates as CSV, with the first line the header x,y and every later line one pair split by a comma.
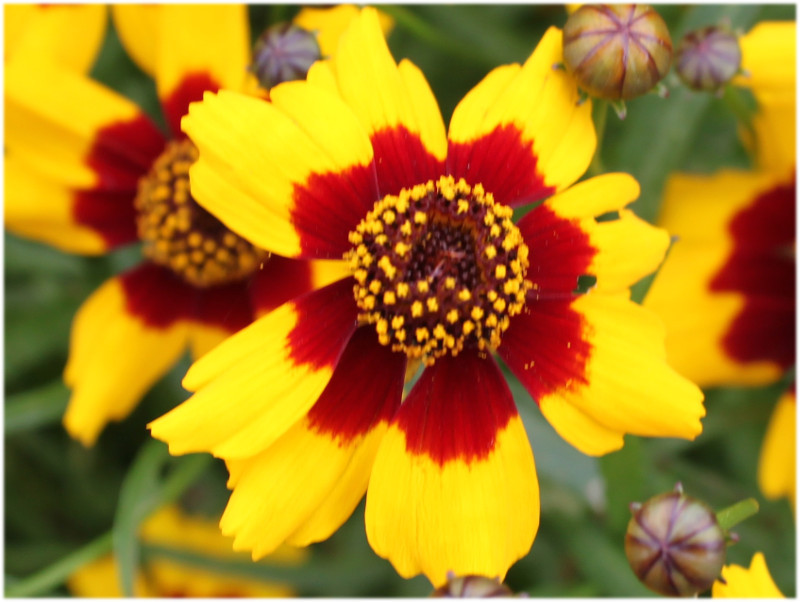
x,y
471,586
616,51
675,545
708,58
284,52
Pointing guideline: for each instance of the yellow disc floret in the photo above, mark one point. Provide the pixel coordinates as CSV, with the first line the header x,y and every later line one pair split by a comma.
x,y
438,268
179,234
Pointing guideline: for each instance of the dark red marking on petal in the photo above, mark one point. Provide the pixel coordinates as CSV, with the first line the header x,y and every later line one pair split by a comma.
x,y
110,214
546,348
120,155
160,298
456,409
365,389
124,151
402,161
328,206
326,319
176,104
761,266
503,163
279,280
559,252
228,306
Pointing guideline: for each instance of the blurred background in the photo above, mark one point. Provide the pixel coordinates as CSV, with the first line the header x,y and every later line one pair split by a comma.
x,y
66,505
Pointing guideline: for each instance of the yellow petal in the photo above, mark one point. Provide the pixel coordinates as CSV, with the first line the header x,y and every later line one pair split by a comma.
x,y
627,248
38,208
697,211
69,36
471,518
777,462
624,384
278,366
331,23
383,96
250,181
542,104
753,582
137,28
114,358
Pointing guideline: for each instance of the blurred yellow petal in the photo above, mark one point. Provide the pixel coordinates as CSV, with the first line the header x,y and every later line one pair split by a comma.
x,y
331,23
69,36
747,583
777,469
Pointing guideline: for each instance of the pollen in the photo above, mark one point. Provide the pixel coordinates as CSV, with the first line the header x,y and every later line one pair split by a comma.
x,y
438,268
179,234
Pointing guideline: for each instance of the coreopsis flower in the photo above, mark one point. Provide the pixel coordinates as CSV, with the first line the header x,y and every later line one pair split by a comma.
x,y
87,171
165,577
305,404
746,583
727,290
70,35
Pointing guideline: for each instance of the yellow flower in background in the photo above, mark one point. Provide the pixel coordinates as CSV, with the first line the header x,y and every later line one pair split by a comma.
x,y
358,168
164,577
746,583
69,35
87,171
727,289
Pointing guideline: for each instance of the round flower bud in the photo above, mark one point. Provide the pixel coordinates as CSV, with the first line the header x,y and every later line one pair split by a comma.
x,y
675,545
708,58
471,586
616,51
284,52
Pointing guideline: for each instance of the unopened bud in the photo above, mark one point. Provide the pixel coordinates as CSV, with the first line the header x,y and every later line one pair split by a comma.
x,y
471,586
675,545
617,51
708,58
284,52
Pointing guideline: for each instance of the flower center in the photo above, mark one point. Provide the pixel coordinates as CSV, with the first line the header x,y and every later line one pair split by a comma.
x,y
181,235
438,268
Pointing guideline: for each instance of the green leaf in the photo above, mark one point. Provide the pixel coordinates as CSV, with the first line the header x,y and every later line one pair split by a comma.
x,y
35,408
54,575
144,491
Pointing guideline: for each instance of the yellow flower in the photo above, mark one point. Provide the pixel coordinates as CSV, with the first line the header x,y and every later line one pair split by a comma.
x,y
726,292
358,168
754,582
69,35
88,171
164,577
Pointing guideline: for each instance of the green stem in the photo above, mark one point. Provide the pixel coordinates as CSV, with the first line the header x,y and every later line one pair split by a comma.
x,y
736,101
600,115
55,574
733,515
435,37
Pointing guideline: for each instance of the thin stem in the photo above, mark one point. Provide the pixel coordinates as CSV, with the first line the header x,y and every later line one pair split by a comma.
x,y
600,116
58,572
733,515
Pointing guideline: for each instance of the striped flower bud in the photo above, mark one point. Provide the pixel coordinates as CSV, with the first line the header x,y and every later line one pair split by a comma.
x,y
674,544
284,52
617,51
471,586
708,58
